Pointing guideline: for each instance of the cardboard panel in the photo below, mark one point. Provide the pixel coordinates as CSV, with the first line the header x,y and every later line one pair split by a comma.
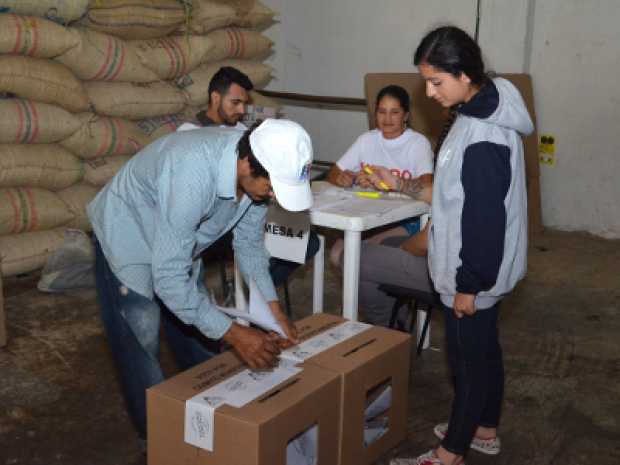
x,y
323,410
428,117
259,432
2,317
165,426
534,207
364,361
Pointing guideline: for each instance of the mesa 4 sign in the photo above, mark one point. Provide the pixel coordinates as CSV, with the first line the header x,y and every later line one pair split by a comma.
x,y
286,234
279,229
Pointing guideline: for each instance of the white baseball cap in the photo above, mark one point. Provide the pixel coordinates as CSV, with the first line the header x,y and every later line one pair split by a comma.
x,y
284,149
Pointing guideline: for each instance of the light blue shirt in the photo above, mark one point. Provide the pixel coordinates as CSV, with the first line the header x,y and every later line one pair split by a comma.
x,y
165,206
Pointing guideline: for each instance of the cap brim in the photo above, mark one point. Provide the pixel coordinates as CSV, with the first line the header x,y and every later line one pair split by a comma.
x,y
292,197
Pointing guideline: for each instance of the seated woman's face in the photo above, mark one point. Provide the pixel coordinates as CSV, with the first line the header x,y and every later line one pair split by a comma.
x,y
390,117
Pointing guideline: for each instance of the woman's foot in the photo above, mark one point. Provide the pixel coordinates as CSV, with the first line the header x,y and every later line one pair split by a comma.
x,y
432,457
485,440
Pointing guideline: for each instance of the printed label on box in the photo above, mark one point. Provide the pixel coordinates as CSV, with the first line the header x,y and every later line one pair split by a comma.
x,y
235,391
324,341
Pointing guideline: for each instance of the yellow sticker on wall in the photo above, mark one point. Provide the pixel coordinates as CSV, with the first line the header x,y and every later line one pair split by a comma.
x,y
546,149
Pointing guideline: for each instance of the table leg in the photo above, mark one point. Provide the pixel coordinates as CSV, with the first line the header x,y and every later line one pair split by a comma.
x,y
241,302
420,317
318,277
352,244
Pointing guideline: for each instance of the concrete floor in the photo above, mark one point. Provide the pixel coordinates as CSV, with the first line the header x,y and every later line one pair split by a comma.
x,y
60,402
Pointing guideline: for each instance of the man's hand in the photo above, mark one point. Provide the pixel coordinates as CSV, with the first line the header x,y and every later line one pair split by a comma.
x,y
255,347
464,304
285,323
283,343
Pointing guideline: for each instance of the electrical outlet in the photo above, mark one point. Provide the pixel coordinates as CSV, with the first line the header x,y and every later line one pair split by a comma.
x,y
546,149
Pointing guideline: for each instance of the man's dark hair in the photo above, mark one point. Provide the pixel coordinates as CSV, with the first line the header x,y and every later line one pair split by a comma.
x,y
225,77
244,150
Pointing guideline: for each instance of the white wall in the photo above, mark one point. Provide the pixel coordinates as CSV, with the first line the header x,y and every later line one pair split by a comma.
x,y
325,47
575,65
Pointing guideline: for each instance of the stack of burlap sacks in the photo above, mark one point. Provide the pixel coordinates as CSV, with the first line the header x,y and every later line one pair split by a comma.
x,y
88,84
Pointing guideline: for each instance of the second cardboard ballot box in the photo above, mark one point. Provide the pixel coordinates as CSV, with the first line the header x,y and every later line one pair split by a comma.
x,y
268,430
373,365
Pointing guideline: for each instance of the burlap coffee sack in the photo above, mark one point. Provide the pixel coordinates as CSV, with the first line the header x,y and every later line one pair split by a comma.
x,y
101,136
47,166
42,80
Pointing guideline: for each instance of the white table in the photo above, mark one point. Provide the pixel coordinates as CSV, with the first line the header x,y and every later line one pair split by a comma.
x,y
318,274
353,215
333,208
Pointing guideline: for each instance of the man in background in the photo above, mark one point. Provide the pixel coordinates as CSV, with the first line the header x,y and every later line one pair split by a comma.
x,y
228,99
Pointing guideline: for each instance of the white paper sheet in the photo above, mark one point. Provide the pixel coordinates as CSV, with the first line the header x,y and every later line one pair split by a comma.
x,y
302,450
375,430
375,425
259,309
380,405
261,323
349,192
187,127
236,391
325,202
362,207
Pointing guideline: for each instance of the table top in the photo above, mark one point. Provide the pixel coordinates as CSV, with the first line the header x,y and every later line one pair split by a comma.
x,y
340,209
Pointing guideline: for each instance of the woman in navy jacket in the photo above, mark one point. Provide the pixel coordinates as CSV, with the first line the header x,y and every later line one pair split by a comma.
x,y
478,238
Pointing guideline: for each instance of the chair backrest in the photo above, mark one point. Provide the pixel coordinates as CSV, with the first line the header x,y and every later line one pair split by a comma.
x,y
427,117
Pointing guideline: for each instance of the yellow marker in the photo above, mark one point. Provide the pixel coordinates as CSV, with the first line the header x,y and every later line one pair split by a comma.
x,y
383,185
369,195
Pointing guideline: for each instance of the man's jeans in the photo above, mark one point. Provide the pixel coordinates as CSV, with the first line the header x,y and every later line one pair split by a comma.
x,y
475,358
132,324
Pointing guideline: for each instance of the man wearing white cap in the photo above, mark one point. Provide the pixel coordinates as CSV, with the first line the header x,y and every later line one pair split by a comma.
x,y
171,201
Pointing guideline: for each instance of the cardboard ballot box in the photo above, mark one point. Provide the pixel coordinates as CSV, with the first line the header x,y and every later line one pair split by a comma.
x,y
373,364
265,431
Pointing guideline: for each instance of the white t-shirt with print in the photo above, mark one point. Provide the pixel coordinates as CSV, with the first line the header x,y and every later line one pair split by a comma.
x,y
407,156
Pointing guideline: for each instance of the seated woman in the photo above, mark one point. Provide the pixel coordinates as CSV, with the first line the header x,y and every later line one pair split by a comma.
x,y
400,261
405,152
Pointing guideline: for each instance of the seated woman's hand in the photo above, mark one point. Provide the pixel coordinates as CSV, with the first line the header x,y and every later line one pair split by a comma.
x,y
345,178
382,177
418,243
363,180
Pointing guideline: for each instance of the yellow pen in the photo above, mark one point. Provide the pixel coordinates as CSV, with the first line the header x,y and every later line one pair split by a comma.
x,y
369,195
383,185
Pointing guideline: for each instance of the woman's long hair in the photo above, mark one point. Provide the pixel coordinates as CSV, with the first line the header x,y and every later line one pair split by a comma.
x,y
453,51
